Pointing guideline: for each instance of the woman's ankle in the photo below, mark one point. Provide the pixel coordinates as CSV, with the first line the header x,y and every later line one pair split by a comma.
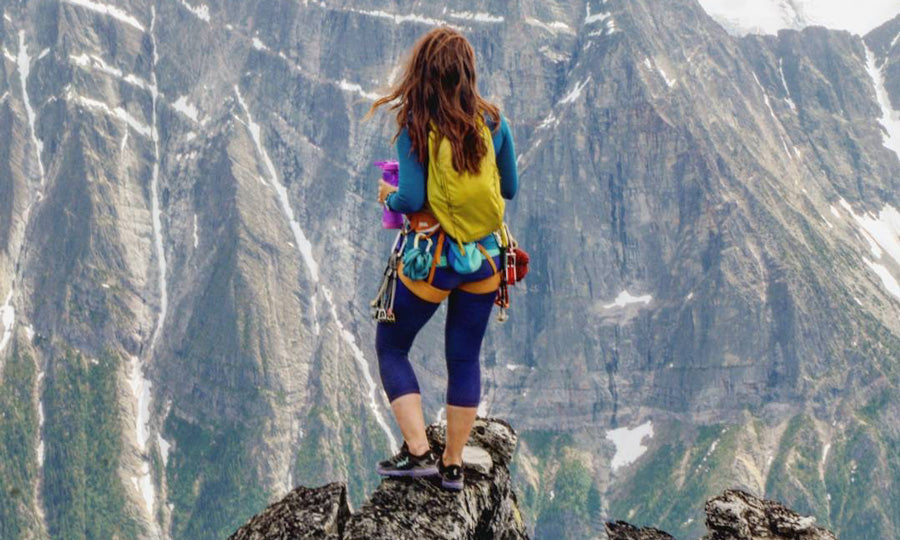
x,y
451,460
418,449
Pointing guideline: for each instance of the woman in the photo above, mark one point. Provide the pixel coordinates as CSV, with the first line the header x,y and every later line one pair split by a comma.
x,y
446,129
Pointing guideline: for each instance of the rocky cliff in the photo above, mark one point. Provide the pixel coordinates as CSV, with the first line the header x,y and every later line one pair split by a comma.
x,y
737,515
409,508
487,508
189,241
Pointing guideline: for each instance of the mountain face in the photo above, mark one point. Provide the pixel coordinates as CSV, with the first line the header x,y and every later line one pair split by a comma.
x,y
189,242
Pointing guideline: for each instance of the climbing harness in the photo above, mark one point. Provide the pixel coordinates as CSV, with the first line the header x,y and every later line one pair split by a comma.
x,y
383,304
418,264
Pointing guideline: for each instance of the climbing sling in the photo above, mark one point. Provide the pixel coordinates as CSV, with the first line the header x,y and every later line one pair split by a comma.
x,y
383,304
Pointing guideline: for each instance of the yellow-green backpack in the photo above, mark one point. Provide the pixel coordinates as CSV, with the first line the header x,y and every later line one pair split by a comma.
x,y
468,206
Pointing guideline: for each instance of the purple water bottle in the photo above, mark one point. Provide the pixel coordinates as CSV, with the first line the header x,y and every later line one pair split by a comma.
x,y
390,174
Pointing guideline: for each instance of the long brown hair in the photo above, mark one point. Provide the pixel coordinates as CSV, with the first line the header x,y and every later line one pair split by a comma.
x,y
439,84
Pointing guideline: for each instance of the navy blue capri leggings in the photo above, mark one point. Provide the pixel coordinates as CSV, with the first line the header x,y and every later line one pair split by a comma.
x,y
467,319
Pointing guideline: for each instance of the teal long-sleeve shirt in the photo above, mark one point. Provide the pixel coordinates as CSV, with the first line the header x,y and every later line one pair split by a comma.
x,y
410,194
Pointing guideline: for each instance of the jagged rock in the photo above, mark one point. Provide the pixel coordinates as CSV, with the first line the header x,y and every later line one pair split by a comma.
x,y
619,530
410,508
477,459
738,515
304,513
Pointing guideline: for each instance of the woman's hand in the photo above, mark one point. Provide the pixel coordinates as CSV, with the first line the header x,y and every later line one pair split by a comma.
x,y
384,189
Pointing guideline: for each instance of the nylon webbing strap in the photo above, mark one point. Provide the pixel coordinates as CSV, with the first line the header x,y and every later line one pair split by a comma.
x,y
438,250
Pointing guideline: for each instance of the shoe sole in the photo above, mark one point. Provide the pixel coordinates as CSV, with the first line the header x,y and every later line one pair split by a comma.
x,y
410,473
453,485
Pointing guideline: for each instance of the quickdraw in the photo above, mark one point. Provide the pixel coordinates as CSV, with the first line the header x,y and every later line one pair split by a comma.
x,y
508,270
383,304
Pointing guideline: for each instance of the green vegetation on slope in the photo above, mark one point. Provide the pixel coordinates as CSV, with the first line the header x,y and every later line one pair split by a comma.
x,y
83,495
18,429
572,508
794,477
862,475
211,484
670,485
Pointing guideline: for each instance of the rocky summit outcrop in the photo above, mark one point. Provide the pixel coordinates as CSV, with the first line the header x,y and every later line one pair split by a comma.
x,y
620,530
303,513
737,515
409,508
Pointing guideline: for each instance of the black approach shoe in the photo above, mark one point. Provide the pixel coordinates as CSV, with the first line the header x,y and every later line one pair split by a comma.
x,y
405,464
452,477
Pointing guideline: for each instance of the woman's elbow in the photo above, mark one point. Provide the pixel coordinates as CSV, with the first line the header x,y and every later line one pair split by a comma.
x,y
509,189
405,204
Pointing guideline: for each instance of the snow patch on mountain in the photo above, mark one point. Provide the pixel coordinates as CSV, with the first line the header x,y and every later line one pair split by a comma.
x,y
95,62
591,18
649,64
38,385
553,26
890,118
186,108
887,279
201,11
348,86
117,112
140,390
164,447
625,298
400,19
784,83
629,443
669,82
778,125
882,233
111,11
8,320
23,62
155,210
360,358
575,93
303,243
475,17
741,17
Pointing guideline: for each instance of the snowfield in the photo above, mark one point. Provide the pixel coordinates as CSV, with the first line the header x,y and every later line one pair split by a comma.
x,y
769,16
